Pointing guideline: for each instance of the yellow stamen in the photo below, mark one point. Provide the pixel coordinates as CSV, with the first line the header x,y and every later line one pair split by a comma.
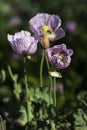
x,y
62,57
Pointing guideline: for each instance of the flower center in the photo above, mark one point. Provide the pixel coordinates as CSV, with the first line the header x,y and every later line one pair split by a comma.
x,y
47,36
62,57
48,32
45,28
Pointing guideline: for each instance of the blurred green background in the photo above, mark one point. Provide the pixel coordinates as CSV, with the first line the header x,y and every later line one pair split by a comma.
x,y
14,17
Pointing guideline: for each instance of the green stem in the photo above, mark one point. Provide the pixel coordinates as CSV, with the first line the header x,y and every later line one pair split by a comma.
x,y
26,85
48,66
11,74
41,69
54,85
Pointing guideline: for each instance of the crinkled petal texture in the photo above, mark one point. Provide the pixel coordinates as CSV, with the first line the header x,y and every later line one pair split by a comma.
x,y
23,43
59,56
43,19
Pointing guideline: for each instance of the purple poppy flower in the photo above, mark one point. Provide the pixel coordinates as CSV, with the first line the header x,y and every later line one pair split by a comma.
x,y
59,88
71,27
23,43
59,56
15,21
47,27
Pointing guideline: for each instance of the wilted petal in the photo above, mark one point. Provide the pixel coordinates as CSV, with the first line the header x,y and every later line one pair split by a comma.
x,y
55,74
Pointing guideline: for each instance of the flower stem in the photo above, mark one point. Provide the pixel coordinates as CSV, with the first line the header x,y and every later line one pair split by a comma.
x,y
2,124
48,66
41,69
54,85
26,85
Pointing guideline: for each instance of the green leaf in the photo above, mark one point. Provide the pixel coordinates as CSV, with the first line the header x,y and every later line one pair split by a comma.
x,y
23,118
2,75
14,77
80,120
17,90
42,94
30,111
81,128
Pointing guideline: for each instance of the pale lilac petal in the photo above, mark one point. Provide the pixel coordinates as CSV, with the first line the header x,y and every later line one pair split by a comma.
x,y
38,21
54,21
60,33
43,19
23,43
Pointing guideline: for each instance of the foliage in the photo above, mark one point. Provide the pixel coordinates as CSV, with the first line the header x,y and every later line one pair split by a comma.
x,y
2,124
81,115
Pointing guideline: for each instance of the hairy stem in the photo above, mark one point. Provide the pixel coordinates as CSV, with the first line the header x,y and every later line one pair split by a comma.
x,y
41,69
54,85
48,66
26,85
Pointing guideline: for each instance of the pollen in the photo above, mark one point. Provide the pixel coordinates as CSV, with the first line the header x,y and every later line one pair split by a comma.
x,y
62,57
45,28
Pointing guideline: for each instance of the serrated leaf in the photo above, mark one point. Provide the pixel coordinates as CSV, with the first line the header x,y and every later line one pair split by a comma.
x,y
42,94
81,128
30,111
23,118
80,118
17,90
